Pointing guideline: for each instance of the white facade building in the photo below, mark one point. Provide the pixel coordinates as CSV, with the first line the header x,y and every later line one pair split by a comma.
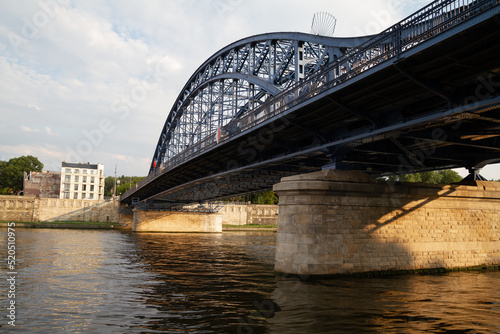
x,y
82,181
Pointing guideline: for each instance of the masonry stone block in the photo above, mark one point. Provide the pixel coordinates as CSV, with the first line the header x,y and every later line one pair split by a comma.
x,y
31,209
172,221
351,223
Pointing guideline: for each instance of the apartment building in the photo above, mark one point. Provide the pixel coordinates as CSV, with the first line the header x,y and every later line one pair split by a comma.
x,y
82,181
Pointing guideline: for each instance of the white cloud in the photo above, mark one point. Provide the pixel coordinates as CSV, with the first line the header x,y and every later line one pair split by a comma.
x,y
28,129
90,54
33,106
49,155
48,130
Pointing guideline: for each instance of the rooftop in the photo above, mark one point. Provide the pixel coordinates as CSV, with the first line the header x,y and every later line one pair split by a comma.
x,y
80,165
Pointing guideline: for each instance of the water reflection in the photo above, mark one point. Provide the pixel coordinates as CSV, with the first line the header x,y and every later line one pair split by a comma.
x,y
215,281
113,282
76,280
465,302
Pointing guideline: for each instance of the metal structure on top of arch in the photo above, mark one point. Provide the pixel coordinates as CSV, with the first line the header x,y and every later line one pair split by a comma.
x,y
238,79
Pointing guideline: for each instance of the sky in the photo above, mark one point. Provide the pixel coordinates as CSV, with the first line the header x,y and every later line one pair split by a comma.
x,y
94,80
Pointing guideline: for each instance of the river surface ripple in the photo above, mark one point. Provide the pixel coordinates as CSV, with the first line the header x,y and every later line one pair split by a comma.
x,y
74,281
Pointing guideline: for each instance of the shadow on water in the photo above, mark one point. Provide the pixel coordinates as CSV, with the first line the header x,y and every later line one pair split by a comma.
x,y
225,284
216,283
459,302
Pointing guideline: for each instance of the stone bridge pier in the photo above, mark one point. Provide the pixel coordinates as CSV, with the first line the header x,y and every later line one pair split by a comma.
x,y
342,222
175,221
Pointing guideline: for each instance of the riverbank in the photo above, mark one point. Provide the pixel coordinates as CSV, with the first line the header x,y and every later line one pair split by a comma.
x,y
116,226
64,224
249,227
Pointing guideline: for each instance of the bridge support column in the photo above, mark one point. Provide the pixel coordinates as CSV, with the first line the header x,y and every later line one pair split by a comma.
x,y
341,222
173,221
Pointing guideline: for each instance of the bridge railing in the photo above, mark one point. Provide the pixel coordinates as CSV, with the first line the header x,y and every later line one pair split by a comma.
x,y
432,20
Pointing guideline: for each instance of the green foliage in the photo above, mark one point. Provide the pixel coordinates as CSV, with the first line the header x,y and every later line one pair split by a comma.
x,y
123,184
266,197
109,183
447,176
12,172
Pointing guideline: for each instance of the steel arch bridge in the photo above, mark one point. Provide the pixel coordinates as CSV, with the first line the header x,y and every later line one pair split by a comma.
x,y
421,95
238,79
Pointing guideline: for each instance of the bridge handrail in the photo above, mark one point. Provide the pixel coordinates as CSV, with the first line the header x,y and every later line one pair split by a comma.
x,y
430,21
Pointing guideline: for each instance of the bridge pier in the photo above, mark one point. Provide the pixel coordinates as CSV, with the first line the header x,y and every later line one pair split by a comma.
x,y
174,221
340,222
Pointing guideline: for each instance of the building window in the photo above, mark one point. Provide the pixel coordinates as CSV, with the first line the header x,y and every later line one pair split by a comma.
x,y
92,187
83,195
91,196
68,170
92,171
76,187
84,171
84,179
77,171
67,178
75,195
77,178
84,187
92,179
66,195
66,187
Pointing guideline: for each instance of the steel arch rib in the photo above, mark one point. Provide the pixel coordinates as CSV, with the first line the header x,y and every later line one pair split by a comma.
x,y
234,63
272,89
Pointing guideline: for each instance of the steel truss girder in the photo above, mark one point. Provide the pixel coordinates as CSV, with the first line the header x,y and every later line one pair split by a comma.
x,y
238,78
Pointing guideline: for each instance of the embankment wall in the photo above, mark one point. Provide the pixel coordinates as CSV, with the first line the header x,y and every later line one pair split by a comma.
x,y
32,209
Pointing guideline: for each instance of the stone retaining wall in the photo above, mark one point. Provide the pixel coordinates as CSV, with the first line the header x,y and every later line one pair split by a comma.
x,y
20,208
244,214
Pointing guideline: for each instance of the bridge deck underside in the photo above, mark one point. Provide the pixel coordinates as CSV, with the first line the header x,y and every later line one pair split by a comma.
x,y
434,108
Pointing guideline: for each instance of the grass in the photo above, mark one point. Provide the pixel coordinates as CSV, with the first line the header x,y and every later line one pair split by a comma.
x,y
66,222
250,226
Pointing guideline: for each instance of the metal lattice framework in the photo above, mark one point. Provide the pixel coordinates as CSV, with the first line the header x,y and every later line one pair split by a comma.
x,y
237,80
362,103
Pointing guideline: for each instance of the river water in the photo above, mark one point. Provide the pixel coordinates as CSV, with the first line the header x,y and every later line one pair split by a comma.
x,y
85,281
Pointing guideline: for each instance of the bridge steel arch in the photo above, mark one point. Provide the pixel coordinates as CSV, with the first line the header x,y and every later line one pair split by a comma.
x,y
421,95
238,79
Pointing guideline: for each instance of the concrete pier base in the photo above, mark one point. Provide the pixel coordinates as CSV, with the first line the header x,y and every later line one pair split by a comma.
x,y
342,222
172,221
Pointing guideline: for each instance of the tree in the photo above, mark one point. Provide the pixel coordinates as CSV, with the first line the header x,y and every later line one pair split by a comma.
x,y
12,172
447,176
126,183
268,197
109,183
123,184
